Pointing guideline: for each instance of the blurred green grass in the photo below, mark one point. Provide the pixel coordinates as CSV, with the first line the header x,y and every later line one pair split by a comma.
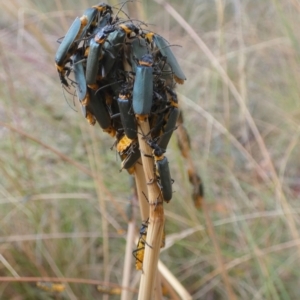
x,y
44,194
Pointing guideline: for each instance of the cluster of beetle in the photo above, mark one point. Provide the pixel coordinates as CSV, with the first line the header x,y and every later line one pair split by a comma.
x,y
123,73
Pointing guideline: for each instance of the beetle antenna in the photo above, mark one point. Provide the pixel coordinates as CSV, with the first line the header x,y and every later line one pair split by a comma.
x,y
66,99
120,9
105,86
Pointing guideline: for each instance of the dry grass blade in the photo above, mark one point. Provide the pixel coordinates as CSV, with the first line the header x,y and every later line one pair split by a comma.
x,y
127,270
64,280
156,217
219,258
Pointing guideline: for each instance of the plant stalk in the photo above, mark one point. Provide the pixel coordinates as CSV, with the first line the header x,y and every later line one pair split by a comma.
x,y
156,217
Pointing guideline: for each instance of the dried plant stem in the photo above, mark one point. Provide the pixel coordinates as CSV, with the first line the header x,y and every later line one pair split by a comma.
x,y
173,282
141,188
156,217
158,287
185,149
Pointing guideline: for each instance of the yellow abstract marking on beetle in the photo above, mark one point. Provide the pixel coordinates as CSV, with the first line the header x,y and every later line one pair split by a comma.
x,y
110,130
149,37
86,51
86,99
90,118
83,20
139,254
93,86
140,248
178,80
125,28
124,144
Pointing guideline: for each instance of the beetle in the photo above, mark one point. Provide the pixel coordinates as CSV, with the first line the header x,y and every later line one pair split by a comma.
x,y
170,119
98,108
156,122
139,252
162,170
143,86
129,151
168,128
77,30
115,36
115,42
111,50
136,49
140,248
95,53
162,166
69,39
92,62
130,158
127,116
164,49
70,42
81,87
66,48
